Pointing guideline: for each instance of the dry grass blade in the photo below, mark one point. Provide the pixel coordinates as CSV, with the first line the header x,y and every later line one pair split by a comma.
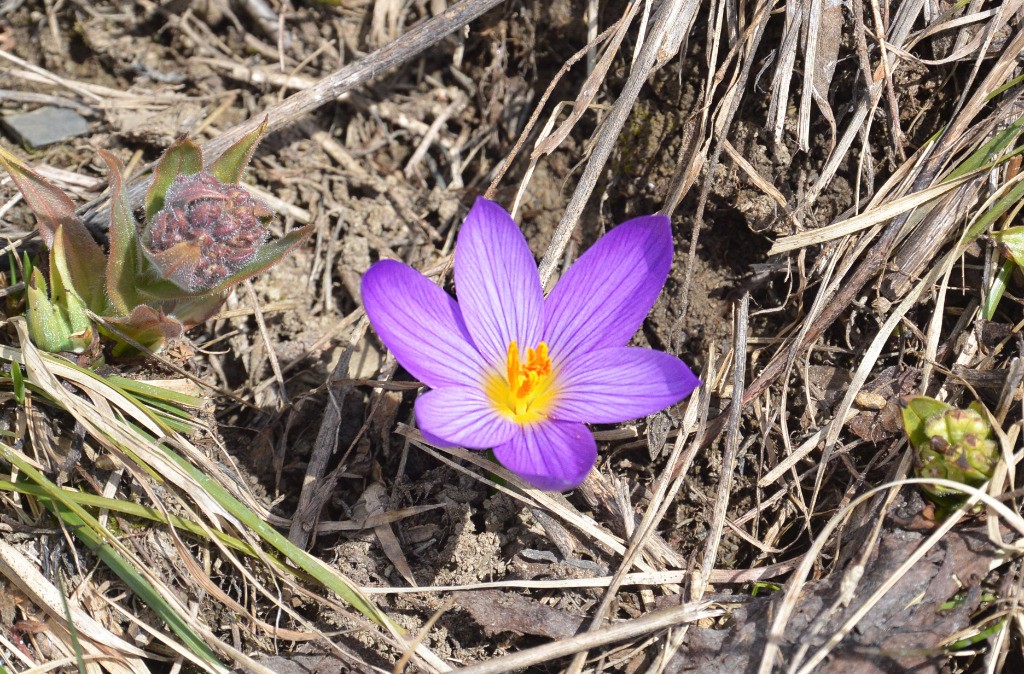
x,y
869,218
665,491
842,291
663,23
672,580
96,639
92,92
740,327
590,87
785,59
526,494
140,454
1008,195
657,620
793,587
316,490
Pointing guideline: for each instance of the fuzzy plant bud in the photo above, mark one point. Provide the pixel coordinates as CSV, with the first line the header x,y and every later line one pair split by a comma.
x,y
206,231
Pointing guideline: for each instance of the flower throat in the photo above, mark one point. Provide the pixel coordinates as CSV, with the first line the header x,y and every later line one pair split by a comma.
x,y
526,392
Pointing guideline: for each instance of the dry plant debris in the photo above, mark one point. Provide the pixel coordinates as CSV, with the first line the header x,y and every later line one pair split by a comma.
x,y
843,183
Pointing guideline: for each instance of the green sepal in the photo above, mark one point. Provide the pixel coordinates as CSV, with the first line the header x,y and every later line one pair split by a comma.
x,y
124,262
178,264
197,310
916,411
980,409
950,444
155,288
183,157
64,296
266,256
1012,239
229,166
55,211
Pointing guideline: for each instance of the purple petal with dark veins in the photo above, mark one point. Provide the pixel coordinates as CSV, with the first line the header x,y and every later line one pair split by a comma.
x,y
607,386
421,324
605,295
497,284
552,455
463,415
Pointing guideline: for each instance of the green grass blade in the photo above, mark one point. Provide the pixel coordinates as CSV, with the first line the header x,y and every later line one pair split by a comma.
x,y
1003,204
157,403
18,383
989,150
296,555
87,529
139,585
75,643
131,509
151,391
995,293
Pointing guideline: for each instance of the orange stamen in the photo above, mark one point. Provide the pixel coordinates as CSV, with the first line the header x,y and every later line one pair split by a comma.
x,y
526,392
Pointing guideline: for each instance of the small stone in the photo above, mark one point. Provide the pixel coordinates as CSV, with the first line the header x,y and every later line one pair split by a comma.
x,y
45,126
868,400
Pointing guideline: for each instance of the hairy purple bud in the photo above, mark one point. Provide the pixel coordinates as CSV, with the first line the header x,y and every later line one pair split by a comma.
x,y
206,231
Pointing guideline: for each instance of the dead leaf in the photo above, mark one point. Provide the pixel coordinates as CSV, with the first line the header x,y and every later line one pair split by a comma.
x,y
876,424
905,631
373,504
498,612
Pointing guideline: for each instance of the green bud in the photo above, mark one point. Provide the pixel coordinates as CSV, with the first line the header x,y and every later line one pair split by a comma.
x,y
48,329
952,444
57,317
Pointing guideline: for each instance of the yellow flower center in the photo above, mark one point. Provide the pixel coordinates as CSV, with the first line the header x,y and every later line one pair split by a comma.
x,y
526,391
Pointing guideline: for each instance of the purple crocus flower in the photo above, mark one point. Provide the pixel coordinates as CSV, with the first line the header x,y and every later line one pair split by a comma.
x,y
520,373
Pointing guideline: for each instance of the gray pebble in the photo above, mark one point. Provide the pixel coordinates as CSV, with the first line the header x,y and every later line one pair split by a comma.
x,y
44,126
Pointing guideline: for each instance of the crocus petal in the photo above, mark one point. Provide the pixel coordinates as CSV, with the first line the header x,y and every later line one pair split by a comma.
x,y
553,455
463,415
496,280
605,295
421,324
607,386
